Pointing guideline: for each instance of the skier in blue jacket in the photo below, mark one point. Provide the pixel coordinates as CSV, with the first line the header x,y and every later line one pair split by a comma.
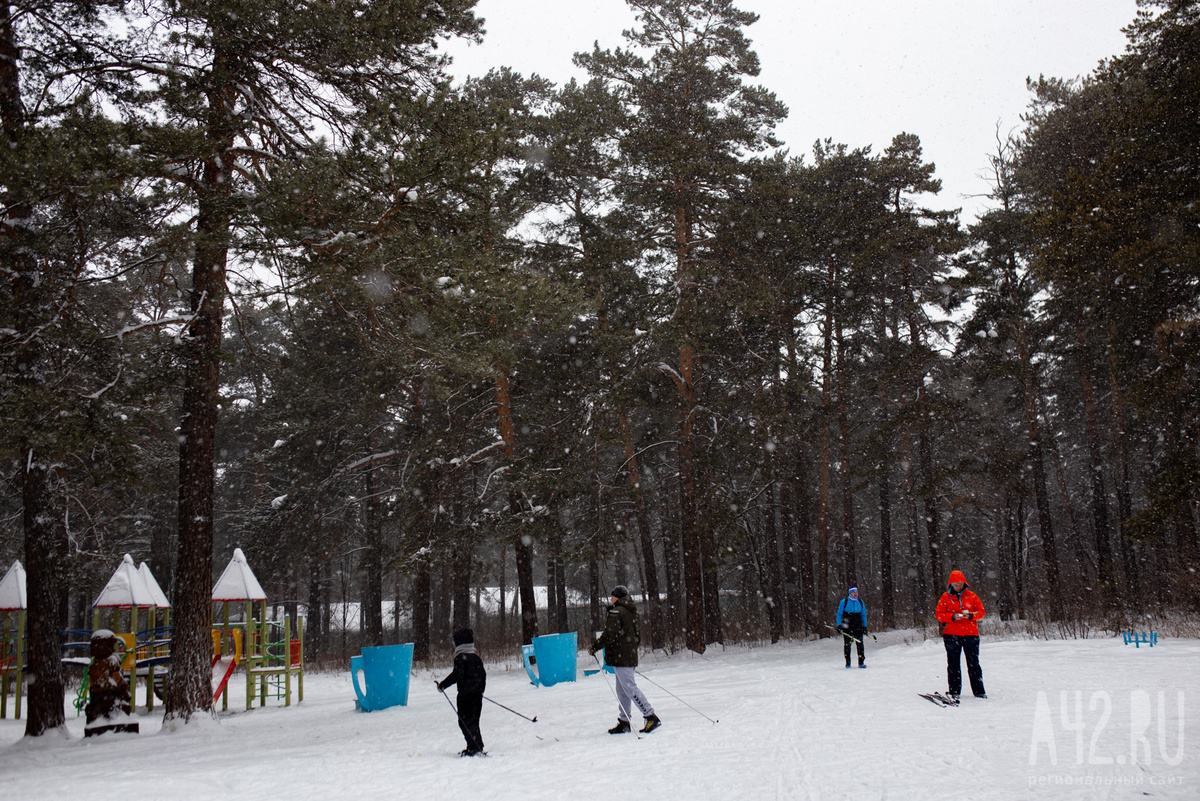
x,y
852,622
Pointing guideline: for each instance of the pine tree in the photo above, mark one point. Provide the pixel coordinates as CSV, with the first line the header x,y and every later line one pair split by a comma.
x,y
73,218
232,91
694,121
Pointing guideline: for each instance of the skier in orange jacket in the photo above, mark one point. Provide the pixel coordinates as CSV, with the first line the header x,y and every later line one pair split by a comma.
x,y
958,610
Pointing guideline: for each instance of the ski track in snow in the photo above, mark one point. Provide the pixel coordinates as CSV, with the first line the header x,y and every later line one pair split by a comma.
x,y
794,724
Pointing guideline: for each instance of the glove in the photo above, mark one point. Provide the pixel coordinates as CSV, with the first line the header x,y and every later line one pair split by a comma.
x,y
843,626
592,649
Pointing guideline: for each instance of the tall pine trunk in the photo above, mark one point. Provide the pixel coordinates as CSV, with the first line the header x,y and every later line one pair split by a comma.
x,y
189,688
1082,558
372,564
650,571
422,592
1183,537
523,544
45,560
775,600
314,636
460,581
887,583
928,483
1104,558
1124,486
1037,460
824,499
849,533
45,547
918,591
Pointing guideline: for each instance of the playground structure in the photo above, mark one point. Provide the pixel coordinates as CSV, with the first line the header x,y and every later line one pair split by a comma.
x,y
13,602
266,649
130,597
270,652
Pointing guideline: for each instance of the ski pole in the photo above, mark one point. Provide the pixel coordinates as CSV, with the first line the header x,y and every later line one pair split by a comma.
x,y
606,681
843,632
676,697
448,701
515,712
851,636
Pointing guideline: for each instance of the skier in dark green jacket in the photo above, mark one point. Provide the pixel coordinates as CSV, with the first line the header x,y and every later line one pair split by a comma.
x,y
620,642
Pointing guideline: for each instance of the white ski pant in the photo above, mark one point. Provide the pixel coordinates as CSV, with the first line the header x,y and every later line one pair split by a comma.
x,y
627,690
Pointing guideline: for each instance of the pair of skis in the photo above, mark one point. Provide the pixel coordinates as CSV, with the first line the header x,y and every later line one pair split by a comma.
x,y
941,699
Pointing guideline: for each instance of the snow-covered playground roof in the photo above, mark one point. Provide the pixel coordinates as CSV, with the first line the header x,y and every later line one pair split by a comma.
x,y
12,589
126,588
238,583
160,597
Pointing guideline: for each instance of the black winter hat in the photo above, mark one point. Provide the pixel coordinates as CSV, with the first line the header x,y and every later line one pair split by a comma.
x,y
620,591
464,636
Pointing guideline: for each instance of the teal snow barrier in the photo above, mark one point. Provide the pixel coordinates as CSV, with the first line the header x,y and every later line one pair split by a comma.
x,y
1138,640
554,655
386,670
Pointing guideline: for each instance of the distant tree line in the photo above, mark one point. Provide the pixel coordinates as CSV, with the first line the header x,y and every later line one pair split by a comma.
x,y
271,280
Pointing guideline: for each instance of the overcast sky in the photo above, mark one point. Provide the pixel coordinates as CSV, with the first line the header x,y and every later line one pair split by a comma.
x,y
857,71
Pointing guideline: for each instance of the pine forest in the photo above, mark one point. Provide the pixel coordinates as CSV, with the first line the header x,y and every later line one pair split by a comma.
x,y
447,353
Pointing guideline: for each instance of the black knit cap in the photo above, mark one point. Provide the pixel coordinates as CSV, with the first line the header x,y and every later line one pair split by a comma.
x,y
620,591
464,636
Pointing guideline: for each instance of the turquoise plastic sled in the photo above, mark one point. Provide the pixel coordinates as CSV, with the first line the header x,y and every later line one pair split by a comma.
x,y
386,670
554,655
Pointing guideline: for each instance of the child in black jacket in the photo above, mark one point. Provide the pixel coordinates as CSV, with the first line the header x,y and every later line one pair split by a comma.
x,y
471,678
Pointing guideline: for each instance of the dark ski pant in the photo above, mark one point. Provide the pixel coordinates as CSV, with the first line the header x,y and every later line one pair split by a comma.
x,y
469,707
847,642
967,644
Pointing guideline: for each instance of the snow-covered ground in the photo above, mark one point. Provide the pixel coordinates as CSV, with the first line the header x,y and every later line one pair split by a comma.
x,y
1078,719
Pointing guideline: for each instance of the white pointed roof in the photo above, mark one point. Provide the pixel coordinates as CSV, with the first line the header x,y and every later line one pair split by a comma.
x,y
126,588
160,597
12,589
238,583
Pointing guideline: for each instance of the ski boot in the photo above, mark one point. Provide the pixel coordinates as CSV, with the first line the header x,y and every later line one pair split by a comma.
x,y
651,723
622,727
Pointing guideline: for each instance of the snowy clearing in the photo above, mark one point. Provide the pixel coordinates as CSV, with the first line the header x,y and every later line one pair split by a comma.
x,y
794,724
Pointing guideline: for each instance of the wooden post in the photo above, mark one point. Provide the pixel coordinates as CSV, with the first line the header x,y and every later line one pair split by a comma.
x,y
225,632
264,633
20,649
4,674
287,661
133,662
300,678
151,652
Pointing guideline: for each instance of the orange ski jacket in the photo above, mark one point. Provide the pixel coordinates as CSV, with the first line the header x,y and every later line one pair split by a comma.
x,y
950,604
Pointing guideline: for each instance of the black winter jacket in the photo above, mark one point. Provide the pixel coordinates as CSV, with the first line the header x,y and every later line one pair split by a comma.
x,y
469,674
621,638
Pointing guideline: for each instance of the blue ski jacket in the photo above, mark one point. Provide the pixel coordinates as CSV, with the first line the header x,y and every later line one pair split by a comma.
x,y
850,605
